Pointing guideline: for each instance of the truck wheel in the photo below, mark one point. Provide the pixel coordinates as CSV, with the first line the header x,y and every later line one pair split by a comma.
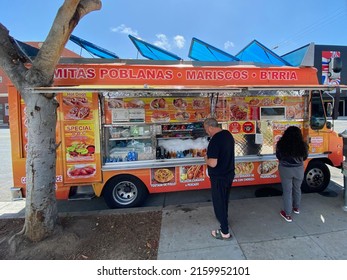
x,y
124,191
317,177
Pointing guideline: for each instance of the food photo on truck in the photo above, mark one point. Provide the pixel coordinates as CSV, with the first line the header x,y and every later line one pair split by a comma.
x,y
132,129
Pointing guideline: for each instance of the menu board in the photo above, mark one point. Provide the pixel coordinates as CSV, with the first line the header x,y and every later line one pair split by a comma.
x,y
239,108
156,110
193,109
161,177
295,107
192,173
77,106
177,109
81,144
119,110
264,172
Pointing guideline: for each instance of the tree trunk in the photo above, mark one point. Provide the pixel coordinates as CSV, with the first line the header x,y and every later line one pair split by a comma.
x,y
41,206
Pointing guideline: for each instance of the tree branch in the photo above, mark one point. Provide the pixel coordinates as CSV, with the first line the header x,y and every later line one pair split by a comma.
x,y
68,16
11,60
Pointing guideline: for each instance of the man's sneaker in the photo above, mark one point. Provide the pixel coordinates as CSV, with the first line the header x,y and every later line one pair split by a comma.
x,y
285,216
296,210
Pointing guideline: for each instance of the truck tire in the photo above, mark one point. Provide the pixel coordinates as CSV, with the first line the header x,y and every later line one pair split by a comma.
x,y
124,191
317,177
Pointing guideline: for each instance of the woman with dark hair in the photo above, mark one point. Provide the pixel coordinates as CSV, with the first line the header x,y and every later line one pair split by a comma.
x,y
291,151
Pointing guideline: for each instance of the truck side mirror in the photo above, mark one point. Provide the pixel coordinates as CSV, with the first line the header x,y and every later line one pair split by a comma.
x,y
337,64
335,67
329,109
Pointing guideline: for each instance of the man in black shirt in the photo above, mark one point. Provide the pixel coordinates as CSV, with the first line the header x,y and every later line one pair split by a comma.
x,y
220,160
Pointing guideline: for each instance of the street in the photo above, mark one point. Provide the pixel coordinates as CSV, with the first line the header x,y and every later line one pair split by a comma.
x,y
6,181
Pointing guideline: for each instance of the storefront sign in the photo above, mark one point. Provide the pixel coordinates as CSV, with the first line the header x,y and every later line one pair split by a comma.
x,y
154,75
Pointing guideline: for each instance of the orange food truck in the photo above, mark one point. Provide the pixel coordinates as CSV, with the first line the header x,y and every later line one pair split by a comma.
x,y
131,128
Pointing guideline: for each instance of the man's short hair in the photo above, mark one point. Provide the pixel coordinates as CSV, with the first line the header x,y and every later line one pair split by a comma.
x,y
211,122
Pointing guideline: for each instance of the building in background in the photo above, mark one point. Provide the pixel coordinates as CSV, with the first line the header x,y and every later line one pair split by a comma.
x,y
3,98
331,64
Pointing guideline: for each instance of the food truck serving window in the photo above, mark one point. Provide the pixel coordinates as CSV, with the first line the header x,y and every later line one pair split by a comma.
x,y
272,113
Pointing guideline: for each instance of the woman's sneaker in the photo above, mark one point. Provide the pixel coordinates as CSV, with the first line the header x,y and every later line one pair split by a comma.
x,y
296,210
286,217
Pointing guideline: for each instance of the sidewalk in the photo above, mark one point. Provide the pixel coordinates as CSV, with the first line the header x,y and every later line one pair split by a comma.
x,y
319,232
12,209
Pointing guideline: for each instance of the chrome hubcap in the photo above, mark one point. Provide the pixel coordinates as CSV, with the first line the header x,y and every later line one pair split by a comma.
x,y
125,193
315,178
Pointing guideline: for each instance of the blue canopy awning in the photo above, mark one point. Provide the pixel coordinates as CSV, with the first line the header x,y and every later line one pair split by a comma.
x,y
151,51
26,49
91,48
303,56
202,51
256,52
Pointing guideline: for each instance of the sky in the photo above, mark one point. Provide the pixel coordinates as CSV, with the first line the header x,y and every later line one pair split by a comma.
x,y
230,25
